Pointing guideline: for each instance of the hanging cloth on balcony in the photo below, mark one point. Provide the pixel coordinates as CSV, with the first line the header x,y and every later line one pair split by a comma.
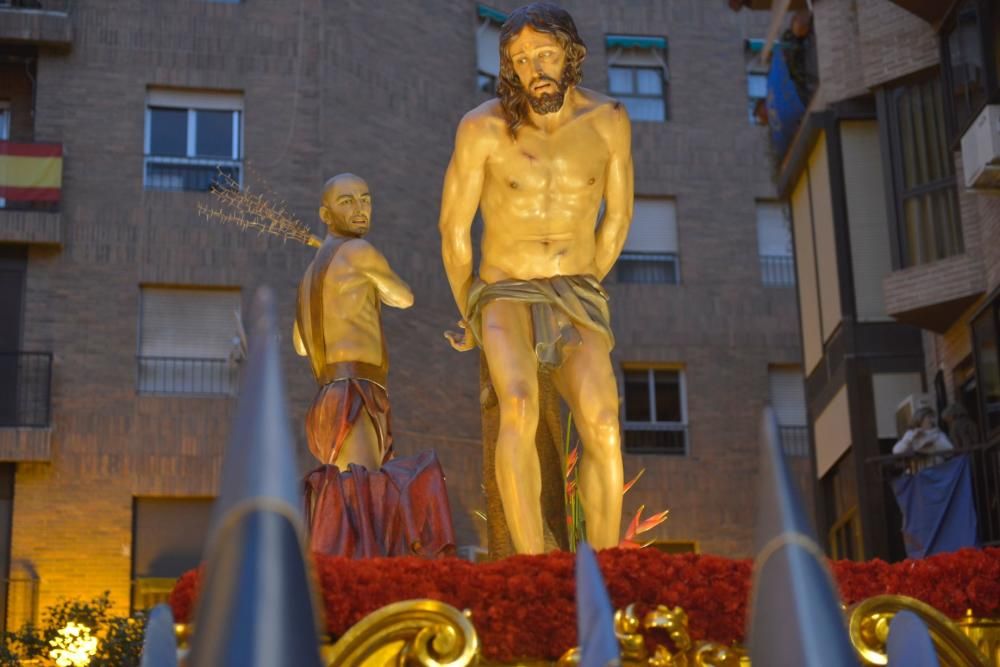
x,y
784,107
938,511
30,172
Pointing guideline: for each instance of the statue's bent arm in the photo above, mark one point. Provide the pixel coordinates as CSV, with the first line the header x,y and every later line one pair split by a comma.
x,y
369,262
463,185
618,189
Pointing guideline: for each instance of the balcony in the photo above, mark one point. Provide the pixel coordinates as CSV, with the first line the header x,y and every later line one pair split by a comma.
x,y
177,376
25,406
933,296
42,22
655,438
189,173
777,270
30,192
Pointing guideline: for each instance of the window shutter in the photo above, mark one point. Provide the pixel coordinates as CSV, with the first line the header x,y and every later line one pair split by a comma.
x,y
774,234
488,48
788,396
169,535
188,323
654,227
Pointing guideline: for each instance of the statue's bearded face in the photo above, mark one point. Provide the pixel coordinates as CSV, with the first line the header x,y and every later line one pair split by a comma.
x,y
540,64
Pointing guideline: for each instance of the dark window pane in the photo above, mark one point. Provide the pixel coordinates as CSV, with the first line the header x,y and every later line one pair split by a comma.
x,y
984,330
214,134
167,131
667,391
968,80
637,396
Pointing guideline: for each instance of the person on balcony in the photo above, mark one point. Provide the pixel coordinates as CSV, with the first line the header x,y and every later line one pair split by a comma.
x,y
961,429
925,438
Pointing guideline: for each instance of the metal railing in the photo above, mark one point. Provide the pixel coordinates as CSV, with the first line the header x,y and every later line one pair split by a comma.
x,y
647,267
984,464
777,270
185,173
655,438
25,388
147,592
179,375
794,440
60,6
21,599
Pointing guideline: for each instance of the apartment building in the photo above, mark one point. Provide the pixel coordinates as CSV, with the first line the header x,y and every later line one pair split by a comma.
x,y
119,336
890,171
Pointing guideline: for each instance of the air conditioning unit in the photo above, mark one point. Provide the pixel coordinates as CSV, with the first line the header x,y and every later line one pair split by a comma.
x,y
981,150
907,408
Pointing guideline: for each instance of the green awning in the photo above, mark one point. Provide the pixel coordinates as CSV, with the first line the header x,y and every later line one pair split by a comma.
x,y
757,45
490,13
636,42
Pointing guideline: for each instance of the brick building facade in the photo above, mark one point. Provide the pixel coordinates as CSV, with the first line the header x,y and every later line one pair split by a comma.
x,y
312,90
899,249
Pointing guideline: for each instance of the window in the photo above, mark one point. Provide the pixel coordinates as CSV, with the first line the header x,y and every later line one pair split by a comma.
x,y
986,343
167,540
655,411
191,137
638,75
774,245
488,48
969,55
786,391
189,341
756,82
923,173
4,132
650,251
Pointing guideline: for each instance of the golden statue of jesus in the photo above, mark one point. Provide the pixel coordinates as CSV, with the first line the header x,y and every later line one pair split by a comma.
x,y
537,162
338,325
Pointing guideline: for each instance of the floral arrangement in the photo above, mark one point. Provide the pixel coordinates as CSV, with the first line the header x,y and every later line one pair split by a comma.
x,y
524,606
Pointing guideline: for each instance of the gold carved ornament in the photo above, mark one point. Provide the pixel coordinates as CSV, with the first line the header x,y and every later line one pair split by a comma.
x,y
868,626
424,633
675,623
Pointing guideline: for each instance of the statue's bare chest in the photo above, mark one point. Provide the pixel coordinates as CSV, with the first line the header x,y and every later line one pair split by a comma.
x,y
574,157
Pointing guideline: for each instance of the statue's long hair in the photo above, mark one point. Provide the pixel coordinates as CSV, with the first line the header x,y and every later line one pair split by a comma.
x,y
543,17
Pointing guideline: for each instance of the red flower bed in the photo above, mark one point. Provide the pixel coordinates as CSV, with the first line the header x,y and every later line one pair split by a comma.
x,y
524,606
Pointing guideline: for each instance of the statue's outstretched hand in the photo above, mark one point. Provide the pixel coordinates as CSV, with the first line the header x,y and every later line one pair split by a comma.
x,y
461,340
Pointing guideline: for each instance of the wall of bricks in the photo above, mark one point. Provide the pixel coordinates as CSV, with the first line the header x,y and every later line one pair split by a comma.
x,y
377,91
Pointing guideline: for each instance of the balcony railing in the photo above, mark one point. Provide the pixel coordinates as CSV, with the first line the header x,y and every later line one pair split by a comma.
x,y
655,438
30,175
61,6
984,463
645,267
794,440
20,595
178,375
777,270
25,388
187,173
147,592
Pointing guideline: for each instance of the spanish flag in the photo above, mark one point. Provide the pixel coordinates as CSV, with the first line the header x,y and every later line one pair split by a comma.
x,y
30,172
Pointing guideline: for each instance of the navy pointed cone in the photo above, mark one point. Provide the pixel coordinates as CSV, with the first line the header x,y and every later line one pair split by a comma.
x,y
159,645
795,616
595,619
909,643
256,607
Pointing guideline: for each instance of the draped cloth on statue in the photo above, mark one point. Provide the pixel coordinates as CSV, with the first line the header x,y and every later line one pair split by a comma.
x,y
400,510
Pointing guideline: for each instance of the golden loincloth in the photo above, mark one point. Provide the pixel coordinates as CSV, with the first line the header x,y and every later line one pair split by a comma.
x,y
559,305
